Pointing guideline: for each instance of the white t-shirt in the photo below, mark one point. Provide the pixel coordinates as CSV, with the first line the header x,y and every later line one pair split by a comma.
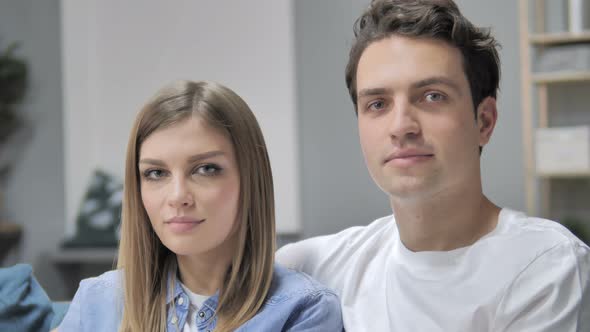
x,y
196,301
528,274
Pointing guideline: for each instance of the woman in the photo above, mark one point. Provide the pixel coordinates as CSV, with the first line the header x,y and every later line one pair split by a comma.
x,y
197,234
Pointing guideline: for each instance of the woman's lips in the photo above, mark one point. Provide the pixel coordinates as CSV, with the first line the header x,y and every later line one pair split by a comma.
x,y
182,224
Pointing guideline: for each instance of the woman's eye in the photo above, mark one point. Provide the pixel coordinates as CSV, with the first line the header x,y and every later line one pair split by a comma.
x,y
434,97
208,170
153,174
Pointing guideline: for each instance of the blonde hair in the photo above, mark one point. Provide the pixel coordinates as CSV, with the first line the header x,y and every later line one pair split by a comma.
x,y
143,258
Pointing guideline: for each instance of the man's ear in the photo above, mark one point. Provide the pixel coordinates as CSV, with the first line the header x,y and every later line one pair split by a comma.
x,y
487,115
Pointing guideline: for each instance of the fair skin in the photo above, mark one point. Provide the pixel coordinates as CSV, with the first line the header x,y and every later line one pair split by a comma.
x,y
421,141
190,189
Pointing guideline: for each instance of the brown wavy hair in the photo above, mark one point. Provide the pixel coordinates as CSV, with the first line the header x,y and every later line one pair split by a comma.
x,y
249,277
439,19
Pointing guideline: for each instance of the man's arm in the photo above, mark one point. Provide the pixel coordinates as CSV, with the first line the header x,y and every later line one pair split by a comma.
x,y
551,294
293,255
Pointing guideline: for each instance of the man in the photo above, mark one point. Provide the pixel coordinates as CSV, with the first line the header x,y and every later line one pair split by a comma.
x,y
423,81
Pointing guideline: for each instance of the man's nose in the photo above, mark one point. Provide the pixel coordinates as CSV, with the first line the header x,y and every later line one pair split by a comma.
x,y
403,122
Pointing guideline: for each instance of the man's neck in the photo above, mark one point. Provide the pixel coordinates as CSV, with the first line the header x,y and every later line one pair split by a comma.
x,y
445,221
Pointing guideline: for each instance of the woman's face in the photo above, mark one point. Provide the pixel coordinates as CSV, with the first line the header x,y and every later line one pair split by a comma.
x,y
190,188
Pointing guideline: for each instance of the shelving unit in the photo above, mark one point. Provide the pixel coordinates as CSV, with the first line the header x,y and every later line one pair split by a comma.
x,y
564,77
547,39
535,89
566,175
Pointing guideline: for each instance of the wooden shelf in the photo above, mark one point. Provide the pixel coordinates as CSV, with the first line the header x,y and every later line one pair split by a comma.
x,y
85,256
535,99
561,77
565,175
547,39
76,264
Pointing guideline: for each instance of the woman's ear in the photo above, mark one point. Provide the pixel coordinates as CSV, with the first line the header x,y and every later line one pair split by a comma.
x,y
487,115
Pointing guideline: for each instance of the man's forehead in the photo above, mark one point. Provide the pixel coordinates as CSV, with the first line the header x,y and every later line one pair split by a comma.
x,y
410,62
418,53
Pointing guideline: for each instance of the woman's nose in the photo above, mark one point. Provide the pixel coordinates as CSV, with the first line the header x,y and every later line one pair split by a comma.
x,y
180,195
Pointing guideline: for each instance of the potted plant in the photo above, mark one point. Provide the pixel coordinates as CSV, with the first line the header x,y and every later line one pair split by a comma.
x,y
13,86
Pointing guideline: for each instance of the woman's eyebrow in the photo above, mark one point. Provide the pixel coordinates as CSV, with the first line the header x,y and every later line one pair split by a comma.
x,y
191,159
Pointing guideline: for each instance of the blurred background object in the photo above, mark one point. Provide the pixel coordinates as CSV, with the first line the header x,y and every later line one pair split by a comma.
x,y
579,227
13,87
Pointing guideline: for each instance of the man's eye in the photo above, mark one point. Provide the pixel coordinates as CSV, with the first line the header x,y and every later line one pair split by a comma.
x,y
376,105
208,170
434,97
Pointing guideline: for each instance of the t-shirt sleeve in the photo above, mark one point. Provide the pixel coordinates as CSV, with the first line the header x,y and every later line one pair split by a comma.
x,y
551,294
291,256
301,256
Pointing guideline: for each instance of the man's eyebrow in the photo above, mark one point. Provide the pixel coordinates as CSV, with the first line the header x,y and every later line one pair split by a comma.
x,y
373,92
416,85
192,159
438,80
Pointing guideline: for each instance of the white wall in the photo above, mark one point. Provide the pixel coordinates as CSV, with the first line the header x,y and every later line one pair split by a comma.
x,y
116,54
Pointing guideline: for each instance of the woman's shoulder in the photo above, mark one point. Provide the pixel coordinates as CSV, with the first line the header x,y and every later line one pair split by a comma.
x,y
109,278
97,304
105,289
288,283
109,282
297,302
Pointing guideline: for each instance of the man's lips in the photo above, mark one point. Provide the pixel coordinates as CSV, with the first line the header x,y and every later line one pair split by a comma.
x,y
408,155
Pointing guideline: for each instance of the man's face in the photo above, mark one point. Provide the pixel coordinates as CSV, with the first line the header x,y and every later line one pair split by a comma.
x,y
416,121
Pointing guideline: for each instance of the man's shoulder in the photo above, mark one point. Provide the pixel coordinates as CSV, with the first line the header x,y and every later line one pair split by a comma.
x,y
540,233
522,242
299,254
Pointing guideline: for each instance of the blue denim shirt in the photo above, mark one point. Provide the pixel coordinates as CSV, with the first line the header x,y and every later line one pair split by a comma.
x,y
295,303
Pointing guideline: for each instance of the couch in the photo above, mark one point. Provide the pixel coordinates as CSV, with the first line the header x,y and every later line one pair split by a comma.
x,y
24,305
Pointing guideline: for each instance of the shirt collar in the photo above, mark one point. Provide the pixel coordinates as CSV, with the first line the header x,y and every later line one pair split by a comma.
x,y
173,294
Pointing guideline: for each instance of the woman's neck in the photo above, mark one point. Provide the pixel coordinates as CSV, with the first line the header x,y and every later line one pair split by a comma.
x,y
203,274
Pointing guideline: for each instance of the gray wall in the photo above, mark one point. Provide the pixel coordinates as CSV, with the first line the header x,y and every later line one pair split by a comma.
x,y
336,189
34,193
502,161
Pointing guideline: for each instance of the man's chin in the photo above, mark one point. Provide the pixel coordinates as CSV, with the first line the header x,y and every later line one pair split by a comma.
x,y
408,188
